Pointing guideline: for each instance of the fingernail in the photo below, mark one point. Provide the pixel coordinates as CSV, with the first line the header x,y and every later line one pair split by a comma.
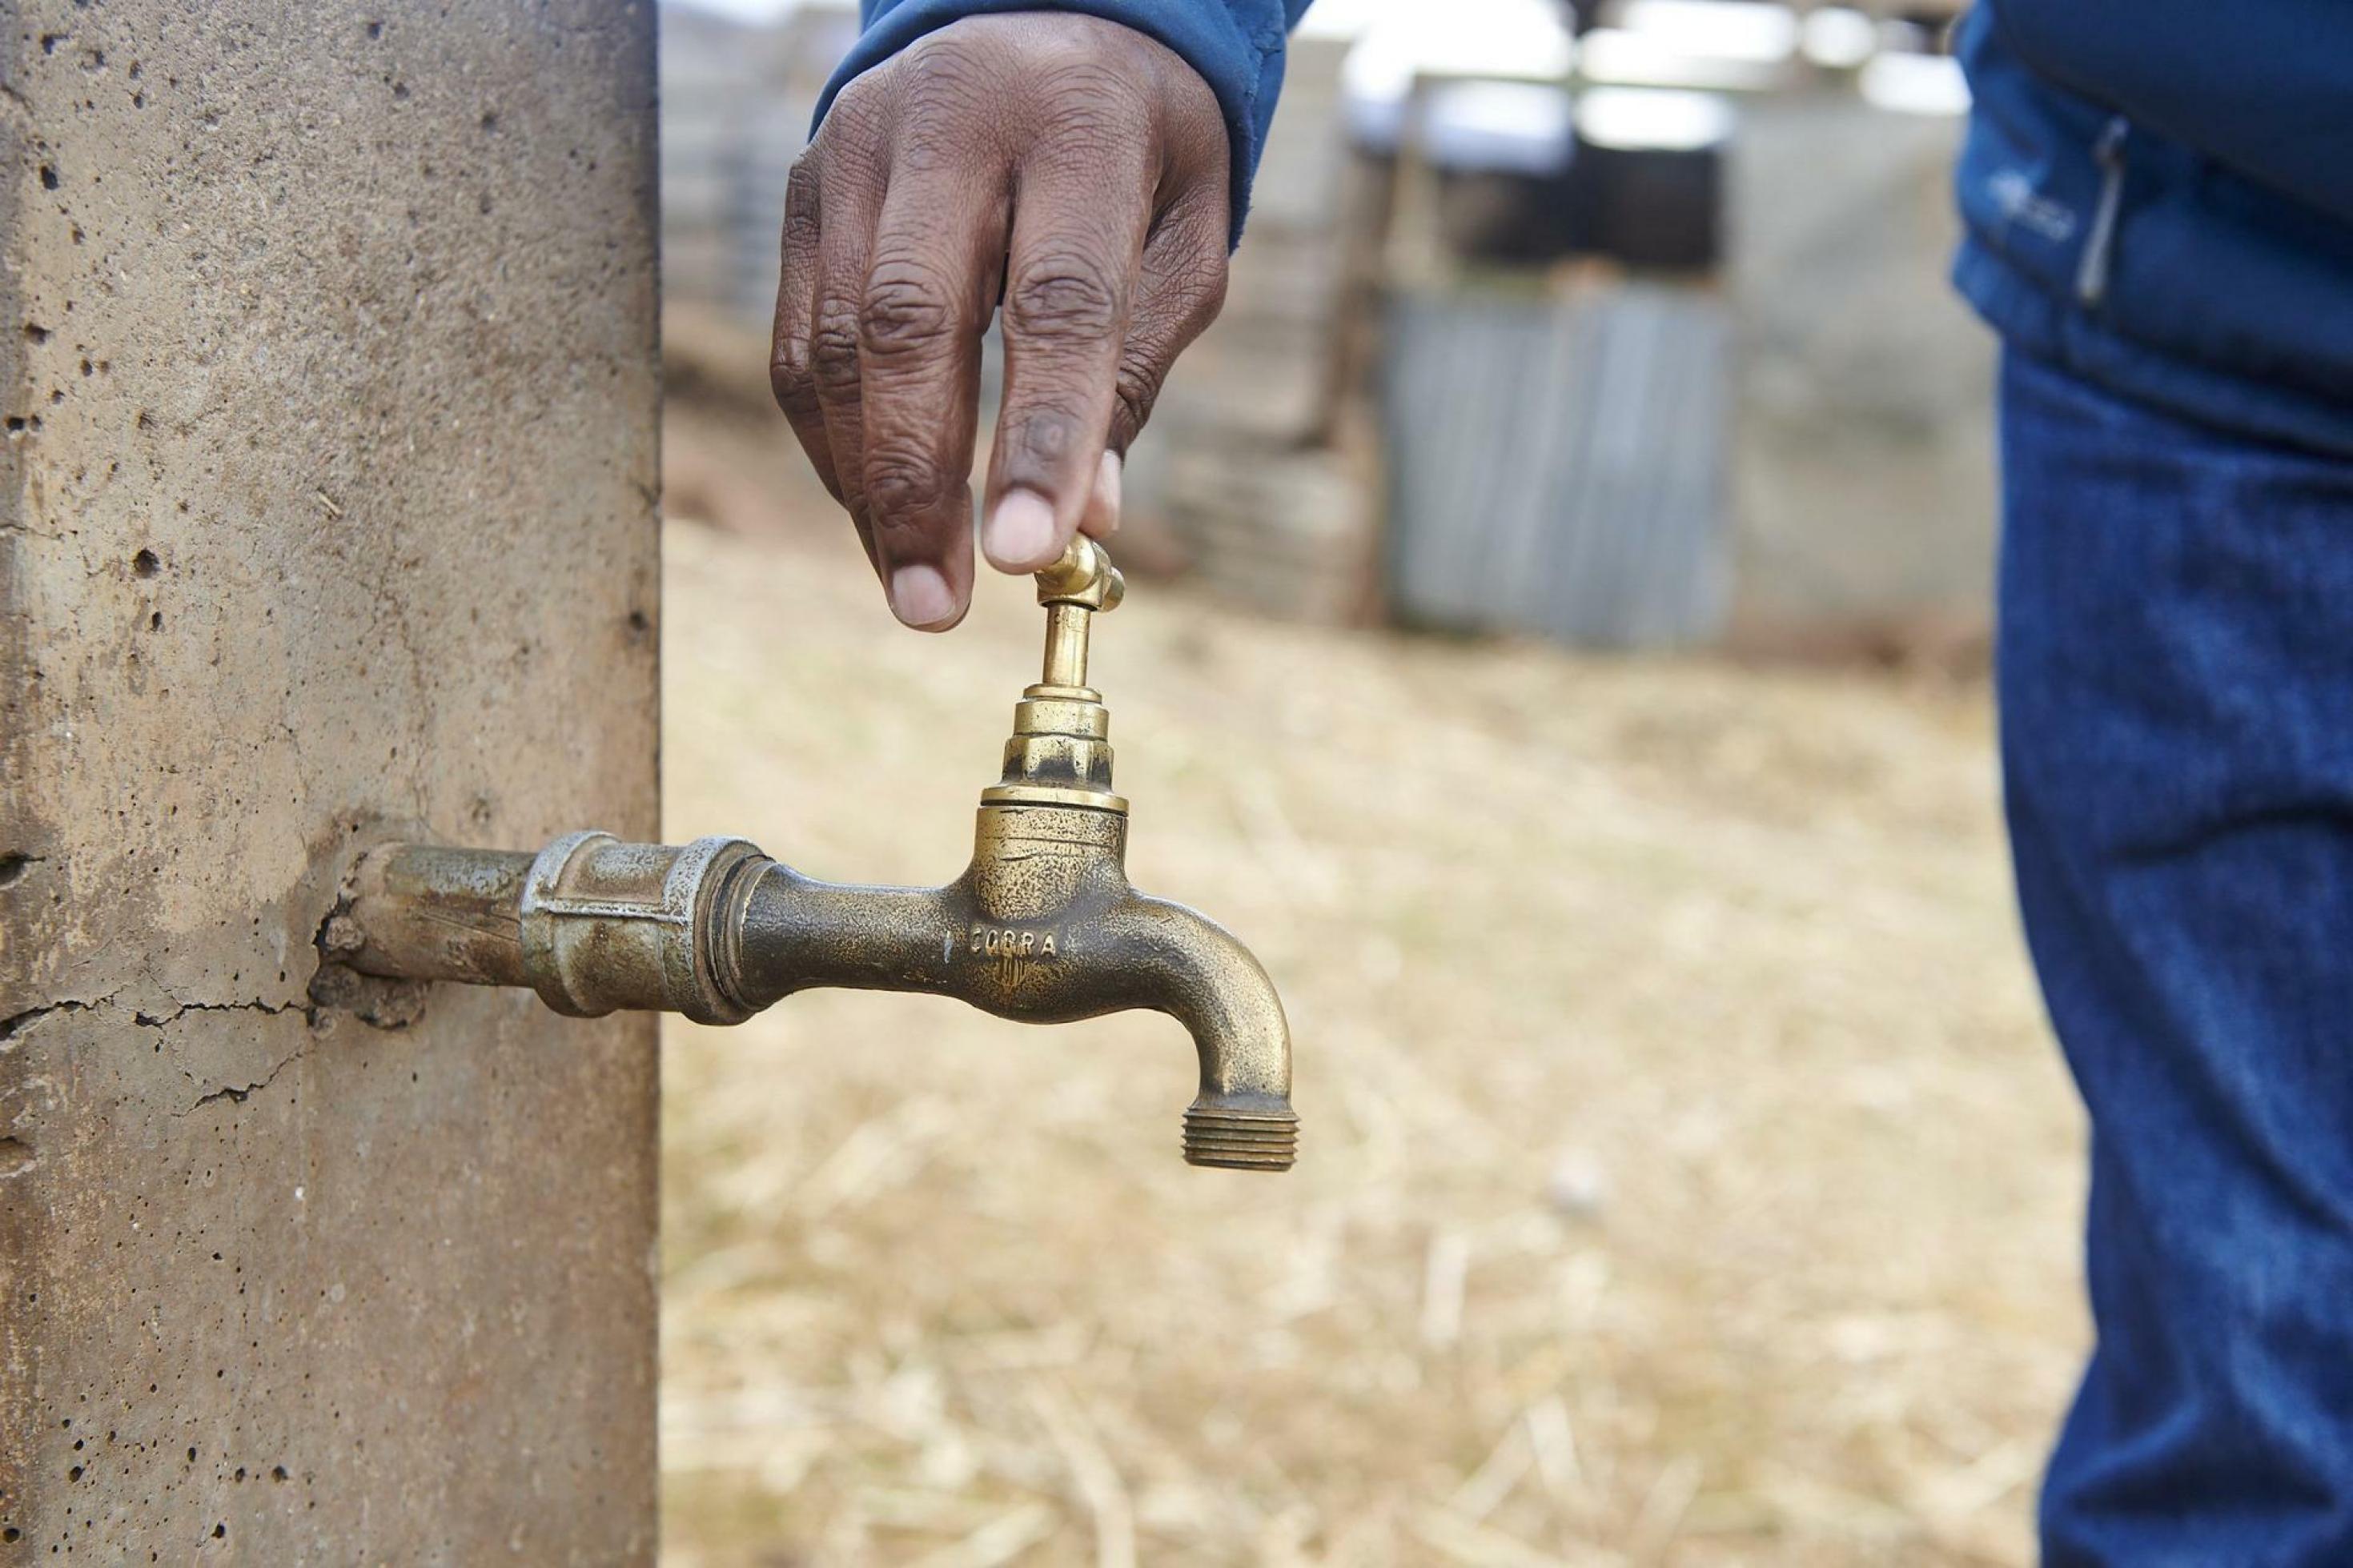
x,y
1020,533
1102,509
920,596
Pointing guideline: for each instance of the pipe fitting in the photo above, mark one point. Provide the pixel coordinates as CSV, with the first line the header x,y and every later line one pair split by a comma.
x,y
605,925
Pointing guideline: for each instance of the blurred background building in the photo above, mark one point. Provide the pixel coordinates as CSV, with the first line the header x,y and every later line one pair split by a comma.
x,y
1619,323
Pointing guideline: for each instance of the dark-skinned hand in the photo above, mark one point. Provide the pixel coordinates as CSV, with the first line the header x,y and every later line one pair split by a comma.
x,y
1065,171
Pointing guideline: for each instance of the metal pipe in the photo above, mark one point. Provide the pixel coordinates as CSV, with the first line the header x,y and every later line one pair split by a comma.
x,y
1066,645
425,912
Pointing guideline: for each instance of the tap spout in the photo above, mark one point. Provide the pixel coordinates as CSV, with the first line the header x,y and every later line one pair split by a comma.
x,y
1042,927
1183,964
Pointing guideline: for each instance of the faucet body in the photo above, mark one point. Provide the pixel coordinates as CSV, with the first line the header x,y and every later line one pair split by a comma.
x,y
1043,925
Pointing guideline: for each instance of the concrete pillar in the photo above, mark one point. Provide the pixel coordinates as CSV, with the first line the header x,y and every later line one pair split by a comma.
x,y
328,363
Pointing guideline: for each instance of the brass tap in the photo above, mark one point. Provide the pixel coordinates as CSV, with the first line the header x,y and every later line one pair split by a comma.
x,y
1042,926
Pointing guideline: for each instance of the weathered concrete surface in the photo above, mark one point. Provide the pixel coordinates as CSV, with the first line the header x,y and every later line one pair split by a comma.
x,y
327,357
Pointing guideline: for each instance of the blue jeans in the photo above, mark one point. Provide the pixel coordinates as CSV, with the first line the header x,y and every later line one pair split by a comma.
x,y
2176,682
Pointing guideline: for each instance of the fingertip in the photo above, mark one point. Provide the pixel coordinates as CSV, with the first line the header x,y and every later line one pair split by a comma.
x,y
1021,533
921,596
1102,519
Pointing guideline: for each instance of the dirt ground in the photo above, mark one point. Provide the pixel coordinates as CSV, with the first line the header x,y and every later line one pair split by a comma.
x,y
1686,1176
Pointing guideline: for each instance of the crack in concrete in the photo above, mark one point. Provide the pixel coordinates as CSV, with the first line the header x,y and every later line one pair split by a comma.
x,y
16,1023
240,1093
157,1021
230,1092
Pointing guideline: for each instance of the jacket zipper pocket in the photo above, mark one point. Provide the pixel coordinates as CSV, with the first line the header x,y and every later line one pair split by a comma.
x,y
2099,246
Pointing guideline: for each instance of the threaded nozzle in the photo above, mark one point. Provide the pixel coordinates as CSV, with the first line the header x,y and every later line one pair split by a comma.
x,y
1240,1140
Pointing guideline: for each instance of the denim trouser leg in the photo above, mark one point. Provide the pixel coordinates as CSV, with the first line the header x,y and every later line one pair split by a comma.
x,y
2176,692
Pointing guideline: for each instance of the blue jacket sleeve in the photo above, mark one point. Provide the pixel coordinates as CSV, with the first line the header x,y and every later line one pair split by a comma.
x,y
1236,45
2266,89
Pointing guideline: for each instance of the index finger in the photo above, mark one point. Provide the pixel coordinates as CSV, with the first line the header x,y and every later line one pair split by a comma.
x,y
937,249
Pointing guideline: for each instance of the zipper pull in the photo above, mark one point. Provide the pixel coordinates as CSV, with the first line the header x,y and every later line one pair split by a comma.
x,y
2099,245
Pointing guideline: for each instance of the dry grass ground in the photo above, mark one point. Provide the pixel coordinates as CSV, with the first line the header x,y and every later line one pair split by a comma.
x,y
1686,1175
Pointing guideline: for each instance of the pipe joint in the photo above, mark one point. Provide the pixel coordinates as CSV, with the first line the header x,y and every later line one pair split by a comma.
x,y
605,925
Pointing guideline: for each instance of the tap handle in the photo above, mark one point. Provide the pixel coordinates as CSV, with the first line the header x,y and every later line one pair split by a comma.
x,y
1084,576
1075,590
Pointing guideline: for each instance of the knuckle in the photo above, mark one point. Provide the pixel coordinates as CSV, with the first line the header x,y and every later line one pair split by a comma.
x,y
799,239
1137,390
902,484
851,146
792,385
908,312
944,55
801,189
1044,438
857,111
1087,98
1065,298
946,73
833,348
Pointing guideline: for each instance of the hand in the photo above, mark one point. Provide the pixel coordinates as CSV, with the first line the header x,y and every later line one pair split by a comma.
x,y
1070,169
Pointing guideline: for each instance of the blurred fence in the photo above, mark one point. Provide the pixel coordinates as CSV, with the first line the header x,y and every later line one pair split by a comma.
x,y
1606,528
